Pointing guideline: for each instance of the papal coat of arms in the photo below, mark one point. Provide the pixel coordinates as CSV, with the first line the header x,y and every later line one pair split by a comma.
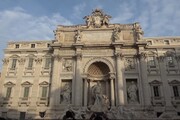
x,y
97,19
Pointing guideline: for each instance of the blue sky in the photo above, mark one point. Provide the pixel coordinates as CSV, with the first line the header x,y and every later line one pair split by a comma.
x,y
26,20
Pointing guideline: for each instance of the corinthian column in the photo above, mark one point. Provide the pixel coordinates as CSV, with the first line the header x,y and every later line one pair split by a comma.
x,y
85,91
144,85
119,80
112,89
78,81
55,83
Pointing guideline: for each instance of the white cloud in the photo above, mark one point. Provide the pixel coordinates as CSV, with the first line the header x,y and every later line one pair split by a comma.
x,y
158,18
16,24
78,9
125,12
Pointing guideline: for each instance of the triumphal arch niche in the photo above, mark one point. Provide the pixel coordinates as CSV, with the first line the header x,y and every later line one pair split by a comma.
x,y
90,60
100,76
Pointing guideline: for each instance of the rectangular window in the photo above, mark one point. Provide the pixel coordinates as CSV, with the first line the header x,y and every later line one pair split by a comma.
x,y
17,46
170,61
32,45
4,114
14,62
152,62
156,91
44,92
26,92
30,64
149,42
48,45
22,116
47,63
166,42
8,92
175,91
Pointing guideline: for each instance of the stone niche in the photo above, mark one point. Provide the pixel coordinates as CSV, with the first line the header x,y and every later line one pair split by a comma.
x,y
99,94
132,91
103,87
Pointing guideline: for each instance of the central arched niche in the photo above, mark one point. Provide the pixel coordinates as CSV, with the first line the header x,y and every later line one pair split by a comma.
x,y
98,69
98,75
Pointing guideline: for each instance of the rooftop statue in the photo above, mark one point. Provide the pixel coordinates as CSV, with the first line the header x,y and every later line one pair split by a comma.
x,y
97,19
139,31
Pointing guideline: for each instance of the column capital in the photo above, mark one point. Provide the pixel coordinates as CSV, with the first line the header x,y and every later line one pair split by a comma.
x,y
38,60
119,55
161,58
85,76
5,61
142,55
112,76
57,57
22,61
79,56
178,58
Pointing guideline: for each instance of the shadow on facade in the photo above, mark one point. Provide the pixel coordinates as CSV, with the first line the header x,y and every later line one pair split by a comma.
x,y
61,101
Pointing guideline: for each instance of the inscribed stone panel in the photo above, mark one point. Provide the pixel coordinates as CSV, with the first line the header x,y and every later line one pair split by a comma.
x,y
69,37
127,35
97,36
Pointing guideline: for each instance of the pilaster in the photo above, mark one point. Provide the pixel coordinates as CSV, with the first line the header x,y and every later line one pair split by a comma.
x,y
120,80
55,82
34,93
166,89
3,75
112,77
78,81
143,79
85,90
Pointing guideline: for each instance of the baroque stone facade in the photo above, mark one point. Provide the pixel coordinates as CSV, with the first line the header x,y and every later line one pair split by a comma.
x,y
93,70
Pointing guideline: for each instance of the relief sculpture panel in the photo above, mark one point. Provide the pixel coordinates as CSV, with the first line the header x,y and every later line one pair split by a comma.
x,y
67,65
129,64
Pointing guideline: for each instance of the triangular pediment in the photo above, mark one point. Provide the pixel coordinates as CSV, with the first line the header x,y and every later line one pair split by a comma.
x,y
26,83
155,82
174,82
44,83
9,84
15,56
31,56
170,53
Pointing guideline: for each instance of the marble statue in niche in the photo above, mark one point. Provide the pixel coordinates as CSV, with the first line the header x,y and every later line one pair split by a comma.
x,y
101,101
97,93
66,94
129,64
67,65
132,93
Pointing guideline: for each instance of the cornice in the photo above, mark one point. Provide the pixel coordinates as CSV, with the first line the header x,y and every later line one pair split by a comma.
x,y
30,41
